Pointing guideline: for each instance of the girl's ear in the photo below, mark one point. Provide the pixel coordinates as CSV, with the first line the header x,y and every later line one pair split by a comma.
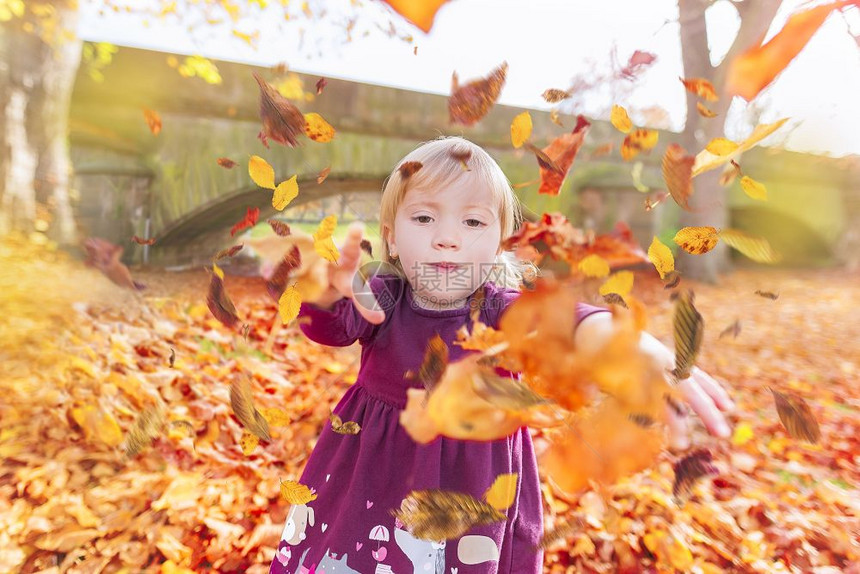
x,y
388,237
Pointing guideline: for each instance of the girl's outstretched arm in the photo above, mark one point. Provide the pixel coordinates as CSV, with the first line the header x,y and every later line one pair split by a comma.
x,y
701,391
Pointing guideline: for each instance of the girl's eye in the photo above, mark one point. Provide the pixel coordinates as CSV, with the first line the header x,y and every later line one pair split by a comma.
x,y
477,223
419,217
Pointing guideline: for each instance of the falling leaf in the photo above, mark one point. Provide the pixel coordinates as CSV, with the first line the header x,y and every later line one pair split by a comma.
x,y
419,13
219,303
636,174
753,70
229,252
321,84
672,279
250,220
555,118
105,256
226,162
318,129
153,120
248,442
296,493
366,247
282,121
753,188
743,434
289,304
562,150
690,469
323,175
280,228
655,199
521,129
701,87
285,193
408,168
218,271
637,141
734,330
621,283
661,256
706,160
594,266
434,363
697,240
242,402
261,172
147,425
502,493
471,102
553,96
614,299
619,118
704,111
340,427
796,417
323,243
415,49
171,360
678,174
730,172
602,150
441,515
767,294
560,532
638,61
721,146
756,248
140,241
688,329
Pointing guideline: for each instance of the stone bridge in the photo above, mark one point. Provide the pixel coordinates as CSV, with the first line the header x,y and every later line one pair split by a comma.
x,y
169,186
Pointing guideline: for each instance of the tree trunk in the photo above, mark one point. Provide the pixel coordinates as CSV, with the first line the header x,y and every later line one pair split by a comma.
x,y
38,64
709,203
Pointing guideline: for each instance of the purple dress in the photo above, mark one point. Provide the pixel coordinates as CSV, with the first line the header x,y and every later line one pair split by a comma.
x,y
359,479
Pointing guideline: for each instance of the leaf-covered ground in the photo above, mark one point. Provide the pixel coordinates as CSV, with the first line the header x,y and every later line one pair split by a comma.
x,y
81,358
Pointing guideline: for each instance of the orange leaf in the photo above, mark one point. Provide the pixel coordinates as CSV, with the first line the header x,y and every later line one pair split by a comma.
x,y
153,120
562,150
419,13
755,69
704,111
678,174
471,102
318,129
701,87
323,175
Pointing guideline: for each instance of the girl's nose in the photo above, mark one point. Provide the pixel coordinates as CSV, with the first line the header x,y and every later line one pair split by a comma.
x,y
446,241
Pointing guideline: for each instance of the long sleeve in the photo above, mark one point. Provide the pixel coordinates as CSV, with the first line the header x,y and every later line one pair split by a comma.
x,y
340,326
584,310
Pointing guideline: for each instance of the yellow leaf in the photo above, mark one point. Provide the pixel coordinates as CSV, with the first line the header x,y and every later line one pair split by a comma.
x,y
644,139
621,283
248,441
171,567
289,304
326,228
753,188
98,424
706,160
521,129
594,266
721,146
275,417
327,249
661,256
261,172
756,248
628,150
679,555
697,240
285,193
743,434
318,129
502,493
620,119
704,111
296,493
218,271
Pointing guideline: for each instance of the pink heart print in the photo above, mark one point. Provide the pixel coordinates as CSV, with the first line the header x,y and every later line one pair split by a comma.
x,y
369,505
358,546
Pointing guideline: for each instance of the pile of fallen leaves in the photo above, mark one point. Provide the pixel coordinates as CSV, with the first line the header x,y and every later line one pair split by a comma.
x,y
82,359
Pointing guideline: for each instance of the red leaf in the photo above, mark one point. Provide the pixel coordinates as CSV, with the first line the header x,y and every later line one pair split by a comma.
x,y
219,303
562,151
250,220
471,102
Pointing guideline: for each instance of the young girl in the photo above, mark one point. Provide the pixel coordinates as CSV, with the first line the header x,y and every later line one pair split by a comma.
x,y
442,224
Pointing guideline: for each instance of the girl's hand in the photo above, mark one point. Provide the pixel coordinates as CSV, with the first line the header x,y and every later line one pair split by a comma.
x,y
342,275
702,393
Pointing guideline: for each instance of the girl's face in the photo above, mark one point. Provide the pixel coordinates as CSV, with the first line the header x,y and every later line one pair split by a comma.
x,y
457,225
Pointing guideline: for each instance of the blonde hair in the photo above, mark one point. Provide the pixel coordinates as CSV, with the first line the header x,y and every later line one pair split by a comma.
x,y
443,160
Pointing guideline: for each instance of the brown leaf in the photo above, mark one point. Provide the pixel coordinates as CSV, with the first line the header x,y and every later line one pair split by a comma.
x,y
796,417
229,252
321,84
471,102
767,294
688,329
105,256
441,515
408,168
242,402
171,360
672,279
276,284
734,330
279,227
141,241
553,96
146,427
226,162
677,173
340,427
366,247
690,469
323,175
219,303
730,173
434,363
282,121
562,151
